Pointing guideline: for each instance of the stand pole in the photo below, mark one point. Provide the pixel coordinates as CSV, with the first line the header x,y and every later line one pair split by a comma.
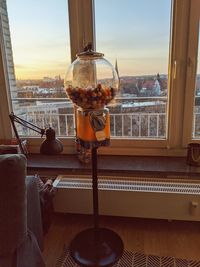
x,y
96,246
95,188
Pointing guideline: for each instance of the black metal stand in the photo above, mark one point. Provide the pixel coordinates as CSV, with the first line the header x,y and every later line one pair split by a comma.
x,y
96,247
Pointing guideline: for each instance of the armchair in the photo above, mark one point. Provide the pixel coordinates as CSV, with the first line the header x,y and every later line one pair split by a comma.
x,y
21,238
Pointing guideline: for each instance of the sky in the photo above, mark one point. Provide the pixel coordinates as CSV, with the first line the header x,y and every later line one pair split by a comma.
x,y
136,33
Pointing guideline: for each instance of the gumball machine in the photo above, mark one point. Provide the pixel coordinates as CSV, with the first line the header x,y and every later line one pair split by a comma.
x,y
91,83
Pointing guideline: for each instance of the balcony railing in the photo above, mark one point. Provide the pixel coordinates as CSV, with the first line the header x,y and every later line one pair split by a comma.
x,y
132,120
138,125
122,125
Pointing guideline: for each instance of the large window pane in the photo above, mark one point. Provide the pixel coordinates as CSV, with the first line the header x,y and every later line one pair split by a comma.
x,y
196,117
40,43
134,36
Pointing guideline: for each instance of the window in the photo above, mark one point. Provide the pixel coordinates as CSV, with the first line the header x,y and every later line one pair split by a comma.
x,y
41,51
135,36
154,45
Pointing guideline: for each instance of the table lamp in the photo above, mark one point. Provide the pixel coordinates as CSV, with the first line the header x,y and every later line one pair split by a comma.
x,y
51,145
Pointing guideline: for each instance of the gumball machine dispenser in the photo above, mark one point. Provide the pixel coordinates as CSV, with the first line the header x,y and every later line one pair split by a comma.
x,y
91,83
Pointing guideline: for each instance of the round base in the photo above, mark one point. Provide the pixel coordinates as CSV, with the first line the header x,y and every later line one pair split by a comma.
x,y
96,247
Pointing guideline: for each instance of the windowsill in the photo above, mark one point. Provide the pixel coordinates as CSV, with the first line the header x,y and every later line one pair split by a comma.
x,y
119,165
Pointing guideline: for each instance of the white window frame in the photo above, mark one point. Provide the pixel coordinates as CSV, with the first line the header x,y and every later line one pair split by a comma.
x,y
82,31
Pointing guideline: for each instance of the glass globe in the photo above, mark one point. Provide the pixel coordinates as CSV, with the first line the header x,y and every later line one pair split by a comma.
x,y
91,81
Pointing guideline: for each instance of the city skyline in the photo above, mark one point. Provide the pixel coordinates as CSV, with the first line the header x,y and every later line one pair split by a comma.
x,y
46,52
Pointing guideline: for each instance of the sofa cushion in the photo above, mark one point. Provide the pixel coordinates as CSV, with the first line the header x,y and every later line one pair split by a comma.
x,y
13,209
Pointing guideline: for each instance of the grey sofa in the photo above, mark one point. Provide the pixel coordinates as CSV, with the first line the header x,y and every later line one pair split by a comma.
x,y
21,237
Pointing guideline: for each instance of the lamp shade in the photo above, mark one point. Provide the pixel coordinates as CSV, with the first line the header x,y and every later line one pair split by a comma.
x,y
51,145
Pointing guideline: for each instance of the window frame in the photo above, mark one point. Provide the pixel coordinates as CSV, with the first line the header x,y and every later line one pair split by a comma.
x,y
5,97
82,31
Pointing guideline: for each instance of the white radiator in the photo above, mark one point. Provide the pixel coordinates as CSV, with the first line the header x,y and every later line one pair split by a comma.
x,y
172,199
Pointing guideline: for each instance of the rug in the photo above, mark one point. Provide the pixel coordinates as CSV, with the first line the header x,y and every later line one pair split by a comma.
x,y
134,259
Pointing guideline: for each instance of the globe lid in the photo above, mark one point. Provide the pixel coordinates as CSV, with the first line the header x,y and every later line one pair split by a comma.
x,y
89,53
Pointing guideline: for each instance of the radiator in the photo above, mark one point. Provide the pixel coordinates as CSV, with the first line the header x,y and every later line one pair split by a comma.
x,y
161,198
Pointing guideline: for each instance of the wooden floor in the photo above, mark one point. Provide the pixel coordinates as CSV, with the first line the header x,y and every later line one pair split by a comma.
x,y
158,237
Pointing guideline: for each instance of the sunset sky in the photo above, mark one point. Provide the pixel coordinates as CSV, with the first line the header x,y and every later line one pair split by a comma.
x,y
134,32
